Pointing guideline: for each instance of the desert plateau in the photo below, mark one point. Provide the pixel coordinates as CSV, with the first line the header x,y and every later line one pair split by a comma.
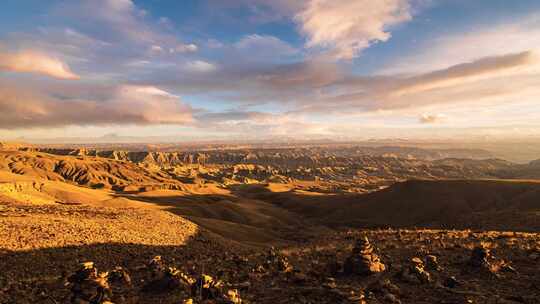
x,y
290,225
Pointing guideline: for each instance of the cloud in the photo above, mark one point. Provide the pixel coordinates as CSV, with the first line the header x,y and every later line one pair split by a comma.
x,y
254,50
297,76
106,41
232,117
325,87
185,48
469,72
261,11
431,118
264,46
200,66
254,124
345,28
128,29
458,47
127,104
35,62
492,78
156,49
122,18
301,90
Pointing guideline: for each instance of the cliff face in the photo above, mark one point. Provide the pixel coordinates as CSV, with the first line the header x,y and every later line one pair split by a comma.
x,y
88,171
155,158
275,157
329,170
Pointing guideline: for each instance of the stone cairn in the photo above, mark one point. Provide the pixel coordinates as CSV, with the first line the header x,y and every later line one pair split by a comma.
x,y
363,260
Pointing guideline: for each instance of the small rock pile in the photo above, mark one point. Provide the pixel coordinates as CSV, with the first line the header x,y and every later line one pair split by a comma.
x,y
416,272
164,279
204,288
88,286
363,261
482,259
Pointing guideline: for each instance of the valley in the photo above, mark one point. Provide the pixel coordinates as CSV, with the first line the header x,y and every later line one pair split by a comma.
x,y
218,213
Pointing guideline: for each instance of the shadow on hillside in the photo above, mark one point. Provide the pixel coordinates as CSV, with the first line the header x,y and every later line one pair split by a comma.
x,y
249,221
445,204
44,270
256,214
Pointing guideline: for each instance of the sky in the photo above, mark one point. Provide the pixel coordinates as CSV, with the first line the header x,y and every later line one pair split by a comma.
x,y
259,69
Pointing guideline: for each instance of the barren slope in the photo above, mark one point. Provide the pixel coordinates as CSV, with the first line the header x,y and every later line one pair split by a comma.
x,y
475,204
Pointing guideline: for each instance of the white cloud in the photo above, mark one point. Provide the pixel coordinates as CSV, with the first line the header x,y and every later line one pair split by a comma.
x,y
200,66
36,62
345,28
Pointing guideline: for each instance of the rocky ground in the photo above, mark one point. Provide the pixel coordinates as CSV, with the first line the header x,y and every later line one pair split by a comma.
x,y
360,266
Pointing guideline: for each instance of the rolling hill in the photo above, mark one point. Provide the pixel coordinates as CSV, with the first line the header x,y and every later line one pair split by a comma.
x,y
463,204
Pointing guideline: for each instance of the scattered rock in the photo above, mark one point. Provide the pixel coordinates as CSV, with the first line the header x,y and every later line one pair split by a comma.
x,y
165,279
299,278
415,273
391,298
88,286
480,258
330,283
120,284
234,296
506,267
451,282
534,256
432,263
207,288
357,299
278,261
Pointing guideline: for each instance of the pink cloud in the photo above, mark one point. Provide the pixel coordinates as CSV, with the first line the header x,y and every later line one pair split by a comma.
x,y
36,62
126,105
